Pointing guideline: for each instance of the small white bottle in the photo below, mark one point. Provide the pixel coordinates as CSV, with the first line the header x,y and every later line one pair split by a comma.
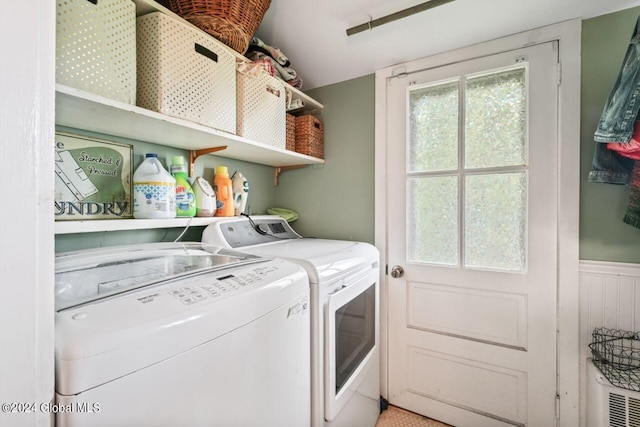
x,y
205,197
240,187
154,190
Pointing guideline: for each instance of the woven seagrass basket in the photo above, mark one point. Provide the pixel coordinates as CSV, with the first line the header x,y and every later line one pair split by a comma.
x,y
310,136
291,132
233,22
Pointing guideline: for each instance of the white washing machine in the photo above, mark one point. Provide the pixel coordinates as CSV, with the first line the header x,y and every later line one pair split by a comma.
x,y
344,279
182,334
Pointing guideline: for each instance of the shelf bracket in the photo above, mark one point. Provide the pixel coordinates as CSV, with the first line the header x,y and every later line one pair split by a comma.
x,y
280,169
194,154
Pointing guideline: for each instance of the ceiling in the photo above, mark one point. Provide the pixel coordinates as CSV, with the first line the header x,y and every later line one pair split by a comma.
x,y
313,33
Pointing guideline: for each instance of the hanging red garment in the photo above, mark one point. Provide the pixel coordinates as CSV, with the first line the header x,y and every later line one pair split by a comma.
x,y
630,149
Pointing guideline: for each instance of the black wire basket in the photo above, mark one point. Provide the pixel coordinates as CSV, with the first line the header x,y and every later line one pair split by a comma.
x,y
617,354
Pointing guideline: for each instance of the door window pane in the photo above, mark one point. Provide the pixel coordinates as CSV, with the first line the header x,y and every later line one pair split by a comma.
x,y
432,233
457,216
495,121
433,128
495,221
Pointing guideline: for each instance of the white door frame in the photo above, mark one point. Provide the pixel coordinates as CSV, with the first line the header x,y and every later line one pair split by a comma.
x,y
27,254
569,36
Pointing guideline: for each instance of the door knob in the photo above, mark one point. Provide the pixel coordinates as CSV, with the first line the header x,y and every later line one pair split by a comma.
x,y
397,271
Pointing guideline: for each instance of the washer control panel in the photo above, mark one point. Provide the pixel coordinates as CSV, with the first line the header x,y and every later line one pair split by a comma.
x,y
205,287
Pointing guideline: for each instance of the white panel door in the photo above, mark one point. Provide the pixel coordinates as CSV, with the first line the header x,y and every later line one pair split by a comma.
x,y
472,220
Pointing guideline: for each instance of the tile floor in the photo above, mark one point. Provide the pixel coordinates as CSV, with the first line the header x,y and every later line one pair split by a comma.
x,y
396,417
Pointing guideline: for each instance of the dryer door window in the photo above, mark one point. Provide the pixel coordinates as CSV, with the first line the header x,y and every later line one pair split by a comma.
x,y
354,330
350,340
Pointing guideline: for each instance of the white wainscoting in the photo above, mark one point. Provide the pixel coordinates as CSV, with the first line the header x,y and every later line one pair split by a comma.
x,y
609,297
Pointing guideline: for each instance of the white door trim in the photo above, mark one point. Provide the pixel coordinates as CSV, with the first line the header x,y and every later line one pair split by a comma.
x,y
569,36
27,125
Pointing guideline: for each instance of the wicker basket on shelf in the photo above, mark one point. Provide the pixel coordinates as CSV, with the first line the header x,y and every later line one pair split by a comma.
x,y
310,136
233,22
291,132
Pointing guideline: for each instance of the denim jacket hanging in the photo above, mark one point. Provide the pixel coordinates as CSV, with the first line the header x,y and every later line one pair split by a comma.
x,y
617,120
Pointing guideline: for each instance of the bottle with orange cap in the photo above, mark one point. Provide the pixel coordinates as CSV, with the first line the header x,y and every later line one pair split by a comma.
x,y
224,192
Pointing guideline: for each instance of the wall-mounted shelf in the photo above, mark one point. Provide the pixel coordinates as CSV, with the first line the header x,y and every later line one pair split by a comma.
x,y
86,111
82,110
93,226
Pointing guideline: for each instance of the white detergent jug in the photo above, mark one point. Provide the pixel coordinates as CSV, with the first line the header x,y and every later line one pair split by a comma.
x,y
154,190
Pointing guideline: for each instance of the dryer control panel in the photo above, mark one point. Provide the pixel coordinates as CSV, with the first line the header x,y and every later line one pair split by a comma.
x,y
241,232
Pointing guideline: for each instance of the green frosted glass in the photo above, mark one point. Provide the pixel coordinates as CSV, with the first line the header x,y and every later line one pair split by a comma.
x,y
433,128
496,120
432,220
495,221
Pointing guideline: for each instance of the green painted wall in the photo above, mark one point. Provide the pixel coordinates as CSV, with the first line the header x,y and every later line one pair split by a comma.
x,y
603,235
335,200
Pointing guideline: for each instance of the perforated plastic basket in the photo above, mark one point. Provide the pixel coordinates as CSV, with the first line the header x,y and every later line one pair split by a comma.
x,y
184,72
96,47
262,109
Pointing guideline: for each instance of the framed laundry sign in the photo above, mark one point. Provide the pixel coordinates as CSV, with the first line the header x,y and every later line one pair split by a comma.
x,y
92,178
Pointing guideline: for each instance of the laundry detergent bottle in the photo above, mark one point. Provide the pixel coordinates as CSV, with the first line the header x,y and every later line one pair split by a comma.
x,y
154,190
224,192
185,197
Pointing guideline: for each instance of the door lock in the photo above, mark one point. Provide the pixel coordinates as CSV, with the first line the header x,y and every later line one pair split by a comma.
x,y
397,272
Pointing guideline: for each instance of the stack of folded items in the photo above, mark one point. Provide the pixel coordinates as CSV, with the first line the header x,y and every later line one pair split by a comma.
x,y
260,51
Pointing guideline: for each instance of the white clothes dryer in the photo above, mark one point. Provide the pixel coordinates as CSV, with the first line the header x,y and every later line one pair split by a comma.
x,y
182,334
344,279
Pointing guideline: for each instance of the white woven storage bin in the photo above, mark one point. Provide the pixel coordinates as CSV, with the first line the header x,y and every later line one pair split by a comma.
x,y
184,72
96,47
262,109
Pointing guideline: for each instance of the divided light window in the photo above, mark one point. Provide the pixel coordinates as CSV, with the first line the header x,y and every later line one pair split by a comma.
x,y
467,171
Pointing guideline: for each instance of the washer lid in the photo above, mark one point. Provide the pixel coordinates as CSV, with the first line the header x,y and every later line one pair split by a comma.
x,y
105,340
91,275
